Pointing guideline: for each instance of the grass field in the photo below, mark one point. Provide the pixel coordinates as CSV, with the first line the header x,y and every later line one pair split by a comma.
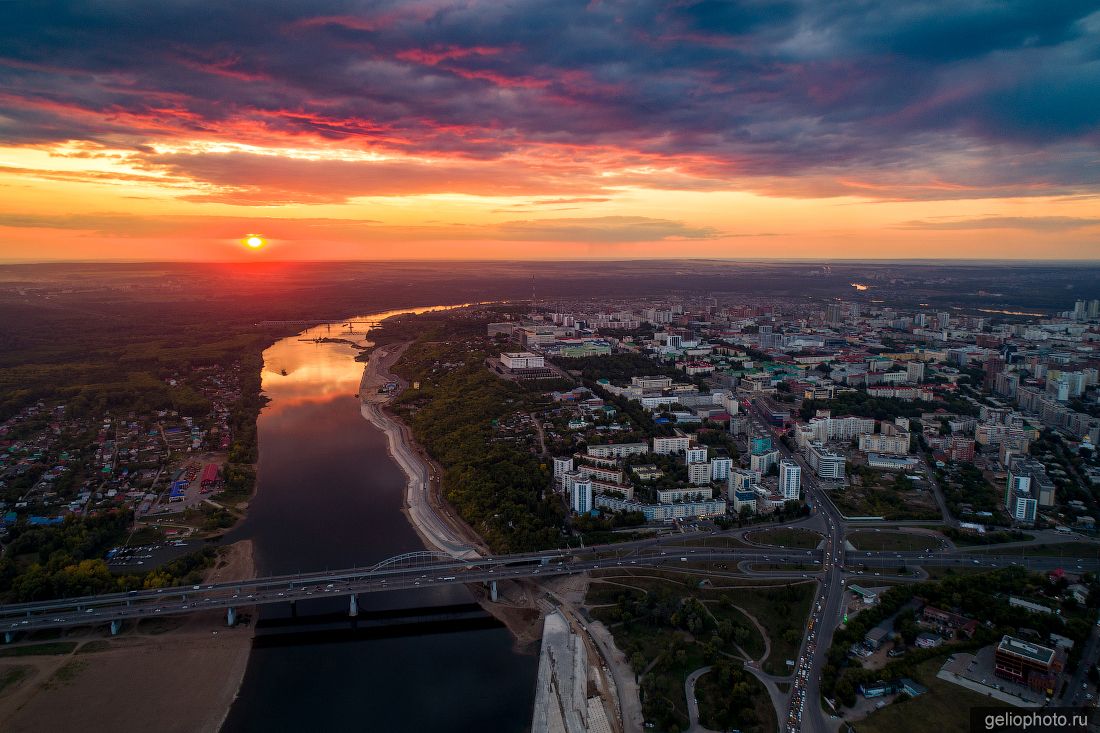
x,y
686,574
1057,549
966,539
96,645
783,613
803,539
12,675
874,541
764,567
872,495
936,572
50,648
705,541
945,708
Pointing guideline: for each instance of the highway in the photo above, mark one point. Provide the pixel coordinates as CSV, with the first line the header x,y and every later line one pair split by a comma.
x,y
425,570
804,708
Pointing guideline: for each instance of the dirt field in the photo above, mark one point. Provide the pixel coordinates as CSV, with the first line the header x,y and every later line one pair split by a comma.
x,y
180,675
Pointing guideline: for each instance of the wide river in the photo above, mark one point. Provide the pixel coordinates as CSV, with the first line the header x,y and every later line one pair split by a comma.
x,y
329,496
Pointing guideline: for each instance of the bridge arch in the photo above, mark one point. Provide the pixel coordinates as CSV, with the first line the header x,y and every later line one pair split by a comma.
x,y
413,560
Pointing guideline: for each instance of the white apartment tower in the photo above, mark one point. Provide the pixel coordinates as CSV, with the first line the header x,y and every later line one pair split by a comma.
x,y
790,479
580,496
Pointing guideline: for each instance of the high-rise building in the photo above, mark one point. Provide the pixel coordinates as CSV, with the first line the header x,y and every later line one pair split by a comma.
x,y
790,479
695,455
562,465
834,313
760,445
761,462
1005,384
827,464
699,473
580,496
914,371
1028,487
943,320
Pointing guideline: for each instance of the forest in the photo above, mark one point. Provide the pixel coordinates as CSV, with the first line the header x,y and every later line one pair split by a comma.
x,y
43,563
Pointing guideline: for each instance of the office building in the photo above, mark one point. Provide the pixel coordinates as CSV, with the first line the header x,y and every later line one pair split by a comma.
x,y
522,360
1026,663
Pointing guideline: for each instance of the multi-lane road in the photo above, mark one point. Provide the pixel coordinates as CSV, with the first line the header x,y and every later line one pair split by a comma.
x,y
804,709
426,570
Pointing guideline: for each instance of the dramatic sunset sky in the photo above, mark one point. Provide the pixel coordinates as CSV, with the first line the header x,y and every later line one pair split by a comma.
x,y
549,129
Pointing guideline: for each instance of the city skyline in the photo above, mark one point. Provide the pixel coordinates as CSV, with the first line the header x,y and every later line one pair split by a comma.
x,y
421,131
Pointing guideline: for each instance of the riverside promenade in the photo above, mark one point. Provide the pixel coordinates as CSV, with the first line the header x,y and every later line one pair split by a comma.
x,y
420,508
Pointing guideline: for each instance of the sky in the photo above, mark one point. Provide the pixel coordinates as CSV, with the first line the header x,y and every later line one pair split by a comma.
x,y
334,129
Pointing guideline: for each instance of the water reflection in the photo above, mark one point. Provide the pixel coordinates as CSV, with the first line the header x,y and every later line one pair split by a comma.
x,y
329,496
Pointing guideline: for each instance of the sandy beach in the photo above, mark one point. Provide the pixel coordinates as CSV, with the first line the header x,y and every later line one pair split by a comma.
x,y
175,675
429,514
433,521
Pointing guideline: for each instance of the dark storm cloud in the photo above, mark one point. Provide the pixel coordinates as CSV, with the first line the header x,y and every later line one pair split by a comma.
x,y
906,98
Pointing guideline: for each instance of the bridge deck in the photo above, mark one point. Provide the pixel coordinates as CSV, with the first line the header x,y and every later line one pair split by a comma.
x,y
421,571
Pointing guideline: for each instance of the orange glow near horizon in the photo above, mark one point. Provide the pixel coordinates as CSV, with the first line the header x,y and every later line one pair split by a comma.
x,y
547,203
672,130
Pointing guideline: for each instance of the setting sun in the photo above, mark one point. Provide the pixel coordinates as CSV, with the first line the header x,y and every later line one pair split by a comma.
x,y
255,241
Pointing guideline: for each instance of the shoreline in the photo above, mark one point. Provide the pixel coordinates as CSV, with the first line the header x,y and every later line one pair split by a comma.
x,y
514,608
183,672
420,490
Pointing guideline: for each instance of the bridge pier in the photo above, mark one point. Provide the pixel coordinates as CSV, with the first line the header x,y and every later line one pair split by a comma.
x,y
116,626
493,595
230,616
353,606
294,609
8,637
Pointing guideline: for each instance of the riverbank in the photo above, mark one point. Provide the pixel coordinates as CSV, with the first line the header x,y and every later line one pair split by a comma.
x,y
179,675
435,523
427,511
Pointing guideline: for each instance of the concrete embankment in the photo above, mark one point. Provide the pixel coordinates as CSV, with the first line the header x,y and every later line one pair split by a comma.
x,y
433,530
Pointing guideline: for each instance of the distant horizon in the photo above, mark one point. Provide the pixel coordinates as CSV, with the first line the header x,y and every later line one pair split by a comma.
x,y
578,260
347,130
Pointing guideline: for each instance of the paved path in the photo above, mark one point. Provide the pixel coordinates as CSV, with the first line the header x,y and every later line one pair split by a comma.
x,y
692,703
434,530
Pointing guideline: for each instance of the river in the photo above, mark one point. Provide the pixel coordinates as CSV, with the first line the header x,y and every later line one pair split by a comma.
x,y
329,496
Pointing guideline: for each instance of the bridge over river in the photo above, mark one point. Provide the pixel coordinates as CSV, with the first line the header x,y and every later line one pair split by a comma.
x,y
420,570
